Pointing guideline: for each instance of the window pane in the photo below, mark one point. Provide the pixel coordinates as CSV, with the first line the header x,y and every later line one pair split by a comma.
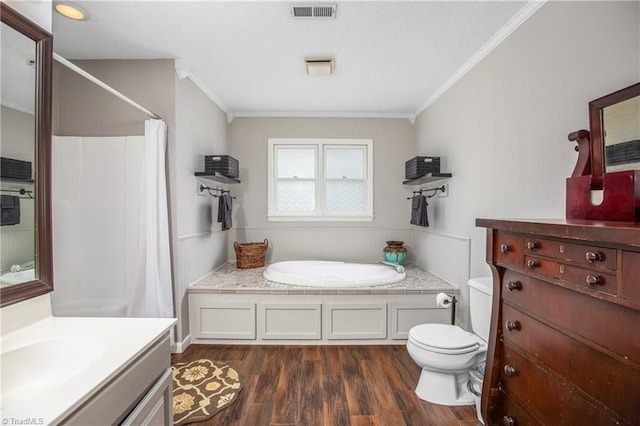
x,y
346,196
347,162
295,162
295,196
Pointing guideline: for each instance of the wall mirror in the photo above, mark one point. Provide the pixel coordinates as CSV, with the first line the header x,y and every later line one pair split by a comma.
x,y
615,131
25,148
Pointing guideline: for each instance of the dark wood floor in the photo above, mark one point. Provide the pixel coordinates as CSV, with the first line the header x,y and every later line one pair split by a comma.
x,y
326,385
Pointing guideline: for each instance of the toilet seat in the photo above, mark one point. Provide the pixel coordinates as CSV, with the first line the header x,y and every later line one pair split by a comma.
x,y
443,339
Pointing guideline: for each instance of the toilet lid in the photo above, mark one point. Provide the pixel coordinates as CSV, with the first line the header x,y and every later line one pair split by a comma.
x,y
443,338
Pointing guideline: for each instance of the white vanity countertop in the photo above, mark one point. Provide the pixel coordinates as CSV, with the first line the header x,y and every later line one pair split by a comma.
x,y
52,366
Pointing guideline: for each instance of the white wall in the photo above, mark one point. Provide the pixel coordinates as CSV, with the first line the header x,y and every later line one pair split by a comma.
x,y
502,129
201,128
356,241
39,12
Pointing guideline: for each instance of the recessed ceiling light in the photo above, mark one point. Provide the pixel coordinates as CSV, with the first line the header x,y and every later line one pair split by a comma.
x,y
319,66
71,11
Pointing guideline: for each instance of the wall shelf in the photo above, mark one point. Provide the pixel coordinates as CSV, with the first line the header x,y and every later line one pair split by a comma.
x,y
216,177
430,178
13,180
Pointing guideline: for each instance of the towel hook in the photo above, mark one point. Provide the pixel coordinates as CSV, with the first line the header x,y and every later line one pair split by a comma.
x,y
202,188
442,189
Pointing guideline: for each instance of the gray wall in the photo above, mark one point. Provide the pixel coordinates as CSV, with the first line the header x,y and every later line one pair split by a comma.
x,y
502,129
360,241
82,108
17,135
201,128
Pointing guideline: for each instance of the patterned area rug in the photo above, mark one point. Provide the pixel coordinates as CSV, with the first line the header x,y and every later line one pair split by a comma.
x,y
201,389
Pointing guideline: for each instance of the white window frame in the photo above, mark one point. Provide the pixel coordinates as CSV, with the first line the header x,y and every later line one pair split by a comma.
x,y
320,214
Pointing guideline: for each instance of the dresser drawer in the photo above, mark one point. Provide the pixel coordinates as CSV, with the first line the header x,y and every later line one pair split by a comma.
x,y
603,323
596,257
631,276
545,396
508,249
580,277
512,413
597,374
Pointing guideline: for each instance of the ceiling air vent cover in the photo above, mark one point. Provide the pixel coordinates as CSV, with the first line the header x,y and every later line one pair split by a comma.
x,y
314,10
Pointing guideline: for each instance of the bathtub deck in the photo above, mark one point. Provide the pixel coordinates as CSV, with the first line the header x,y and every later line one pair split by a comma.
x,y
227,279
238,306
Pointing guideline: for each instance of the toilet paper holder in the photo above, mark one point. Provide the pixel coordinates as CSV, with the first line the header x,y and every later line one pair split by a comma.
x,y
445,302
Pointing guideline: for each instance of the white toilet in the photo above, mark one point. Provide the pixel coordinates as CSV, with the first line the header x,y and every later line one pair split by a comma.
x,y
447,352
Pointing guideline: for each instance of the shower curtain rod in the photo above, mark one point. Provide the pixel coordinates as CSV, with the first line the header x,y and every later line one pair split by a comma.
x,y
104,85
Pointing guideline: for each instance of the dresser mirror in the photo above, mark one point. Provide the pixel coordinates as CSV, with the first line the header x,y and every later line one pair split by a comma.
x,y
615,131
25,147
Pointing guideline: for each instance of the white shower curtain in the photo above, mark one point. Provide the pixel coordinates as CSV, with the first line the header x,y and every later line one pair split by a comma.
x,y
151,293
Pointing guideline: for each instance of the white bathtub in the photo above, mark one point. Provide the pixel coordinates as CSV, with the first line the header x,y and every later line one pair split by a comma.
x,y
317,273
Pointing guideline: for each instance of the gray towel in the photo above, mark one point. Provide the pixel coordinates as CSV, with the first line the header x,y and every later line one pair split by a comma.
x,y
10,210
224,211
419,211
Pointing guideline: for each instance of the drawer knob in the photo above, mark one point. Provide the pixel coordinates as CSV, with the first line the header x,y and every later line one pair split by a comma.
x,y
514,286
593,256
532,245
509,421
512,325
510,370
532,263
594,280
505,248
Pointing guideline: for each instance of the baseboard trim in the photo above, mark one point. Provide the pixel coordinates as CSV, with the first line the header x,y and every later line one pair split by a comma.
x,y
180,347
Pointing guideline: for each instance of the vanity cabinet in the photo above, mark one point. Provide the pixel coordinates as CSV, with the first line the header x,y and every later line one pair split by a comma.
x,y
564,346
139,395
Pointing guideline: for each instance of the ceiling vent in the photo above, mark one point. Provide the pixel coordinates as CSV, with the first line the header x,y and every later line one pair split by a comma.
x,y
314,10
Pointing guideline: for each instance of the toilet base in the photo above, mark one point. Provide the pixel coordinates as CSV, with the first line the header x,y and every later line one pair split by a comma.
x,y
444,388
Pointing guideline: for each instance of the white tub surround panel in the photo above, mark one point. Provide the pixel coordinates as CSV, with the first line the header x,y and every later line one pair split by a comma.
x,y
234,305
68,363
95,226
447,257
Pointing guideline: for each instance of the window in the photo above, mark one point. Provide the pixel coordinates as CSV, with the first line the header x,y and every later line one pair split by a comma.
x,y
320,179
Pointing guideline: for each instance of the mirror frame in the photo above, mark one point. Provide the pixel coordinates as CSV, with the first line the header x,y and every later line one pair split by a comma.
x,y
596,127
44,67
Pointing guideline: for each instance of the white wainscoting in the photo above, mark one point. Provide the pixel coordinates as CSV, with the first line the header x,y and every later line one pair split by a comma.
x,y
345,243
356,321
283,321
448,257
198,254
322,319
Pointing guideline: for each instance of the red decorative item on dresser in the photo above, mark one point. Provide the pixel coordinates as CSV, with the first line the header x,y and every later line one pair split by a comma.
x,y
607,157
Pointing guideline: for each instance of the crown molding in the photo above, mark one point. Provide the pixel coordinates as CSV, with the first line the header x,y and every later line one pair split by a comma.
x,y
322,114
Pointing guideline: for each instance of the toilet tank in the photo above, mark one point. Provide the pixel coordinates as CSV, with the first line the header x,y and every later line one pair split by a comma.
x,y
480,291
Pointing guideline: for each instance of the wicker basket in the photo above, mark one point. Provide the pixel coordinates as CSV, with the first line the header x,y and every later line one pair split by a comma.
x,y
250,255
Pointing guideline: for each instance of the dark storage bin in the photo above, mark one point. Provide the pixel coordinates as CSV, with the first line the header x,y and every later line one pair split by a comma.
x,y
421,166
15,169
226,165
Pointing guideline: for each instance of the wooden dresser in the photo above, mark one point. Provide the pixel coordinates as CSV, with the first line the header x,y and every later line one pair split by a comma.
x,y
564,347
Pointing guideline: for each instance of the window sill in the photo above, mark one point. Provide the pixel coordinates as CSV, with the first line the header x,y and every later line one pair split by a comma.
x,y
320,218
